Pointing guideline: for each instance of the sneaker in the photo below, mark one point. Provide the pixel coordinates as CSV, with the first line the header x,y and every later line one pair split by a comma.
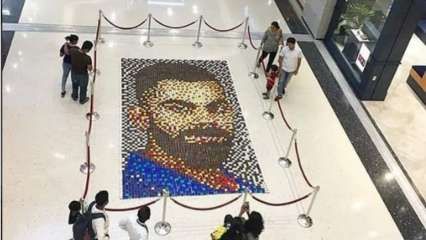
x,y
63,93
74,98
277,98
84,100
265,94
266,97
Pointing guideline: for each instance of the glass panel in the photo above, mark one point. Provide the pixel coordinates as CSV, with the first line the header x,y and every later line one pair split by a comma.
x,y
359,28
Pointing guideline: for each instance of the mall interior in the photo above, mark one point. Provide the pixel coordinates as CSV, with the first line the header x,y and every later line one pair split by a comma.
x,y
176,120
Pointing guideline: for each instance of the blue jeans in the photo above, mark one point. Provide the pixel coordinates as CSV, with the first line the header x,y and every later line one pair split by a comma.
x,y
66,67
79,82
282,83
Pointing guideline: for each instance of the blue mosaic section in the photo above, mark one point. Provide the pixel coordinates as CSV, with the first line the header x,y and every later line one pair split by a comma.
x,y
143,178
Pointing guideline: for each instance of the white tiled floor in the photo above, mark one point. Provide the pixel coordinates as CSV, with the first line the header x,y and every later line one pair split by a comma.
x,y
44,138
402,117
221,13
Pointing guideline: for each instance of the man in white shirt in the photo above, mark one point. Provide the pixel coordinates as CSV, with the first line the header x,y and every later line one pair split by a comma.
x,y
100,225
136,228
289,62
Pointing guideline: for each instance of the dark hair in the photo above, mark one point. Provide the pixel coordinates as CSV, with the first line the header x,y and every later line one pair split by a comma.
x,y
254,224
228,220
275,24
144,213
72,38
101,198
148,77
274,68
236,231
74,208
87,45
291,40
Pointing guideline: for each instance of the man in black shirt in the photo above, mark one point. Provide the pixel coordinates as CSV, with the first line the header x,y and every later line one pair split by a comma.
x,y
81,64
71,42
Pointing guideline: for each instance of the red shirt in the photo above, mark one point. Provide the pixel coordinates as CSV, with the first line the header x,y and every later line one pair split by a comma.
x,y
270,80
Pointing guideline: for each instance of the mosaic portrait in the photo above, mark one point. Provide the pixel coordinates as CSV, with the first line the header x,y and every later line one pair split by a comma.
x,y
183,130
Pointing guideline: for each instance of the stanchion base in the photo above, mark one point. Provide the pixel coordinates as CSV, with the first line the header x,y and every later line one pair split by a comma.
x,y
305,221
95,115
148,44
84,168
162,228
197,44
101,40
268,115
242,46
253,75
284,162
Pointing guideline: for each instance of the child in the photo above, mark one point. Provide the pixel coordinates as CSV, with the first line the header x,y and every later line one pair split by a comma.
x,y
270,81
219,231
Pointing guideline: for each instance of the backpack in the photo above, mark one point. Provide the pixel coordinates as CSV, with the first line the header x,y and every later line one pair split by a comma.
x,y
82,229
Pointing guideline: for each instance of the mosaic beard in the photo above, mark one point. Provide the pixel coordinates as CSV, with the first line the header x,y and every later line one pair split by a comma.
x,y
199,148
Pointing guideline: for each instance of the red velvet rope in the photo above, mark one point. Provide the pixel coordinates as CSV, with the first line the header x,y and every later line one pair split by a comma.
x,y
283,116
90,114
132,208
124,28
250,39
206,208
86,187
295,140
222,30
280,204
98,29
300,164
174,27
87,183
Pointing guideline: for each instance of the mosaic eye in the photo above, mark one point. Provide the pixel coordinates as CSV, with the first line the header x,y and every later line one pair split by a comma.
x,y
218,107
178,106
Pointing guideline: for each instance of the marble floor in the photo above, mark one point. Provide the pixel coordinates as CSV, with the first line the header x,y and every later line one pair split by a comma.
x,y
44,143
402,117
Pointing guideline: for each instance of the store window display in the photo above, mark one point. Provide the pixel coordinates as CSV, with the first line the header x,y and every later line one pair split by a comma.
x,y
359,28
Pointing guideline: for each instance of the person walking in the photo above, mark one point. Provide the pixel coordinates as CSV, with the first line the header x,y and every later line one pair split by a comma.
x,y
71,42
136,228
289,63
272,38
81,64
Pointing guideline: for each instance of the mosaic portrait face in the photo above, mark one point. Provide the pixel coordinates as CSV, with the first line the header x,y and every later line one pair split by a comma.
x,y
183,130
186,114
199,108
191,120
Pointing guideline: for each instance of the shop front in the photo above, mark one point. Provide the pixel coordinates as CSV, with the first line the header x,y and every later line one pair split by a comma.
x,y
368,38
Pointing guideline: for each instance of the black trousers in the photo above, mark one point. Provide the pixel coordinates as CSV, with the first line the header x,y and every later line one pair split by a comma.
x,y
270,59
79,82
